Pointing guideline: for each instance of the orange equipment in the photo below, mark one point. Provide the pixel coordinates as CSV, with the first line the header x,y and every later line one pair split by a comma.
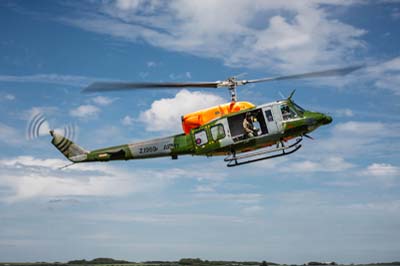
x,y
198,118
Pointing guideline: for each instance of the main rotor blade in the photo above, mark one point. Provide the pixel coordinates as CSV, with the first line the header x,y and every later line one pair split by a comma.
x,y
325,73
119,86
230,83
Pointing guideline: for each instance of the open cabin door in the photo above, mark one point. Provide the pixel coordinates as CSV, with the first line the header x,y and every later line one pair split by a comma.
x,y
236,124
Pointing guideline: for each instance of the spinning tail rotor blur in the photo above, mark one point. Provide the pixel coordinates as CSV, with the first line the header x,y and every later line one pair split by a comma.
x,y
38,126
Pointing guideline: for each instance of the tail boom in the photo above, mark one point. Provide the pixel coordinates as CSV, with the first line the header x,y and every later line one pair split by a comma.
x,y
163,147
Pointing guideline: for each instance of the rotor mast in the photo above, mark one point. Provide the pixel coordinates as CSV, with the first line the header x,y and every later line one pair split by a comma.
x,y
232,88
231,83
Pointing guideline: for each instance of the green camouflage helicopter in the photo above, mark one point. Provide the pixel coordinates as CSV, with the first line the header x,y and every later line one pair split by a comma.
x,y
243,132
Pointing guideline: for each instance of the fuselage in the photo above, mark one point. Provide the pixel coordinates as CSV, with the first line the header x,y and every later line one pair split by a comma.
x,y
274,122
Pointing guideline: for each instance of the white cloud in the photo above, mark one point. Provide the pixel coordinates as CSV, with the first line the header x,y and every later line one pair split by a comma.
x,y
362,133
360,128
175,219
343,183
10,135
252,210
305,166
395,13
29,161
383,174
182,76
102,100
331,163
128,4
386,75
27,177
344,112
385,206
299,197
352,138
326,164
204,188
127,120
7,97
143,75
382,169
151,64
244,198
30,113
165,114
275,35
85,111
38,184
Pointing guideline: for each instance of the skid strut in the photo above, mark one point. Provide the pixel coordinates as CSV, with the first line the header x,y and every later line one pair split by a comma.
x,y
235,160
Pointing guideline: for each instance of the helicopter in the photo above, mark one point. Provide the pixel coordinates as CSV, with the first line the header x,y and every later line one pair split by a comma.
x,y
241,131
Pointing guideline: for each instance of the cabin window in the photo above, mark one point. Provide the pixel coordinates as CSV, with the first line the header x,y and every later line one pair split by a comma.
x,y
269,116
200,138
218,132
287,112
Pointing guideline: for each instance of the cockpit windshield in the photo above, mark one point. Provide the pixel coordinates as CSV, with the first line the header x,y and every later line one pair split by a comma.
x,y
298,108
291,110
288,112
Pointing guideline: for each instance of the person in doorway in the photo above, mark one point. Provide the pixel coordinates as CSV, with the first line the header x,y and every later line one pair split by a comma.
x,y
248,126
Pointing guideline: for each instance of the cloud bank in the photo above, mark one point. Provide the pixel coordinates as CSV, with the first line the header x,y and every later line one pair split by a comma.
x,y
285,35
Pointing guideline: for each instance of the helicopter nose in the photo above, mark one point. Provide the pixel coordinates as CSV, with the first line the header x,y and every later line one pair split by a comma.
x,y
326,120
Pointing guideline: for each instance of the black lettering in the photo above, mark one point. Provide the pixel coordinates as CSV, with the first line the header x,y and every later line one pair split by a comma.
x,y
170,146
149,149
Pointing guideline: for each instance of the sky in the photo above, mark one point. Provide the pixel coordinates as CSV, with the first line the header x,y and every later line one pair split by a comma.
x,y
336,199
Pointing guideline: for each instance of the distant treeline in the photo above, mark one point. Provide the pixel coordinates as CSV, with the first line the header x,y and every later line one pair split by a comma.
x,y
189,261
99,261
181,262
184,261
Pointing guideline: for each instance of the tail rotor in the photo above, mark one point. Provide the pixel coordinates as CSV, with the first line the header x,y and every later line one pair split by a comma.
x,y
38,126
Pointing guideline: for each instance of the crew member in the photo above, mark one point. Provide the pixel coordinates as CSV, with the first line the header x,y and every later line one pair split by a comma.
x,y
248,126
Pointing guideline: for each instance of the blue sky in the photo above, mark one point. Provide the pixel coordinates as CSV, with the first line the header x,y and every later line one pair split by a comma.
x,y
337,199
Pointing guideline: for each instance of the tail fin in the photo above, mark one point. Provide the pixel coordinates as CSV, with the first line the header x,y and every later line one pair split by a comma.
x,y
72,151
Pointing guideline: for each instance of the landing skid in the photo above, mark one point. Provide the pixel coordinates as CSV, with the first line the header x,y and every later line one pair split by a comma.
x,y
234,160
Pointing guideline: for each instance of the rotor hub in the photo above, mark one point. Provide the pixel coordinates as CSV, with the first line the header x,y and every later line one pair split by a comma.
x,y
231,83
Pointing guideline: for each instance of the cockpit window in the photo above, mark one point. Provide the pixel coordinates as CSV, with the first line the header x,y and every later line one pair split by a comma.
x,y
288,112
